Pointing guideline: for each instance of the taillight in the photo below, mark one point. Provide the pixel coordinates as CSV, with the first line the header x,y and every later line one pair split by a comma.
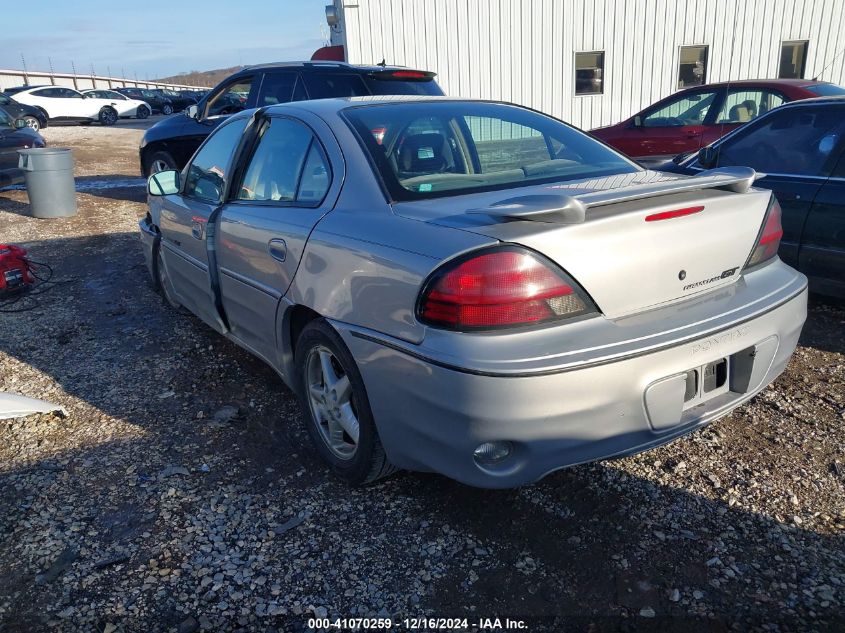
x,y
505,287
768,241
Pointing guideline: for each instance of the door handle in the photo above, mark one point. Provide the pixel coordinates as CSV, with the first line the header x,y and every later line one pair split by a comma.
x,y
278,249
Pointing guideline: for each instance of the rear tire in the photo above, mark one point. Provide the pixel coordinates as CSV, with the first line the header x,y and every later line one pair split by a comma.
x,y
335,407
108,116
167,109
142,112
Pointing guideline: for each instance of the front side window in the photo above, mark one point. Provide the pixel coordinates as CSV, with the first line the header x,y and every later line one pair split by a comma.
x,y
589,73
689,109
207,173
231,99
423,150
796,141
741,106
287,167
793,60
692,70
67,93
5,120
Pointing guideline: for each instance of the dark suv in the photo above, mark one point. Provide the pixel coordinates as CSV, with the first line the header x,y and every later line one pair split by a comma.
x,y
156,100
170,143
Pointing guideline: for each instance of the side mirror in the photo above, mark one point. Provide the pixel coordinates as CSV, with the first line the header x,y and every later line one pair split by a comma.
x,y
708,157
193,111
163,183
20,123
638,121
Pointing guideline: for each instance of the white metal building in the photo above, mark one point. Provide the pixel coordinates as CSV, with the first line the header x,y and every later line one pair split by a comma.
x,y
593,62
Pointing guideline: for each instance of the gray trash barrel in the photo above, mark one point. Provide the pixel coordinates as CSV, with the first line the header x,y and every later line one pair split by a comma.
x,y
49,181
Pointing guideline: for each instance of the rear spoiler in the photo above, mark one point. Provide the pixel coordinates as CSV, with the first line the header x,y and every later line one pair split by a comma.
x,y
563,209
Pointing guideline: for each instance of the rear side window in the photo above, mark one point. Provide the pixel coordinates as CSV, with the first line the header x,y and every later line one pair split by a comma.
x,y
208,171
798,141
287,167
322,86
741,106
277,88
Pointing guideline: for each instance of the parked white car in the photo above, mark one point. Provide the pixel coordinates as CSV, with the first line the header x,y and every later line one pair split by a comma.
x,y
67,104
126,107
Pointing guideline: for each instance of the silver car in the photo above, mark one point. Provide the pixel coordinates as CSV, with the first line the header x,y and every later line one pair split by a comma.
x,y
475,288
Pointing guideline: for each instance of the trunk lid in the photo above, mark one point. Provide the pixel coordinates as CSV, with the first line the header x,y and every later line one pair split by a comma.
x,y
626,263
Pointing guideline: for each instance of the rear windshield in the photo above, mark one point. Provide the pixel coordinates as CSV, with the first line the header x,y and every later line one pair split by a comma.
x,y
430,149
381,86
827,90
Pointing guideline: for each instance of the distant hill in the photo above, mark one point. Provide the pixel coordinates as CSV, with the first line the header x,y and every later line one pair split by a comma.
x,y
207,78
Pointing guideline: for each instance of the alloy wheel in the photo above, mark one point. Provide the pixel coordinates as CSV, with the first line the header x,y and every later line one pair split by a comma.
x,y
158,165
330,397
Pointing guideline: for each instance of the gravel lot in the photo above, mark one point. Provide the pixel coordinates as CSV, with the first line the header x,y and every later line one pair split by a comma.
x,y
180,492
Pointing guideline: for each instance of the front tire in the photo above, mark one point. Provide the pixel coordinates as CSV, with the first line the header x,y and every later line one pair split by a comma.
x,y
160,161
167,109
32,122
335,407
108,116
142,112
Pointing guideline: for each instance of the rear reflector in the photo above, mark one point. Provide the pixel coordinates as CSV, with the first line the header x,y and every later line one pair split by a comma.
x,y
668,215
499,288
769,240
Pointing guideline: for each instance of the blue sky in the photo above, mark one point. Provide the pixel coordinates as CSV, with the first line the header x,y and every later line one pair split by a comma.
x,y
156,38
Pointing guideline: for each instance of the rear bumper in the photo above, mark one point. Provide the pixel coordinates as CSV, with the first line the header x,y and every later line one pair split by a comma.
x,y
432,413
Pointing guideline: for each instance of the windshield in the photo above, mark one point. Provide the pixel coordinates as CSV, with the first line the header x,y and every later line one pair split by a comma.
x,y
426,149
827,90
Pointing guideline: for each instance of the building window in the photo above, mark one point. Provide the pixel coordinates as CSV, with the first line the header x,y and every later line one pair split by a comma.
x,y
693,67
589,73
793,60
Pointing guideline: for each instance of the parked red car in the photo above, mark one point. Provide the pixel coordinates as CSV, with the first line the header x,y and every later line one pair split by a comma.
x,y
694,117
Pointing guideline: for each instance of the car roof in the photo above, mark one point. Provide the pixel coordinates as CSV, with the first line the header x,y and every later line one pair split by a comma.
x,y
797,83
336,104
16,89
318,66
814,101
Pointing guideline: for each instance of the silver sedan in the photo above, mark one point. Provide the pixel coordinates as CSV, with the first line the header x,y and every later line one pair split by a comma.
x,y
474,288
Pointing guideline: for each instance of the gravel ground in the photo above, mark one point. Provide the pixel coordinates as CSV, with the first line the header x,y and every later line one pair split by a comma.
x,y
180,492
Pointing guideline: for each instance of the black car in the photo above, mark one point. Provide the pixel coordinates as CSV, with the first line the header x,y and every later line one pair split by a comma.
x,y
156,100
34,117
169,144
178,100
800,147
14,135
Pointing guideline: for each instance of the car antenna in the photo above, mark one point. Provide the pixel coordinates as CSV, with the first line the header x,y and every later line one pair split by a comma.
x,y
382,63
816,78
